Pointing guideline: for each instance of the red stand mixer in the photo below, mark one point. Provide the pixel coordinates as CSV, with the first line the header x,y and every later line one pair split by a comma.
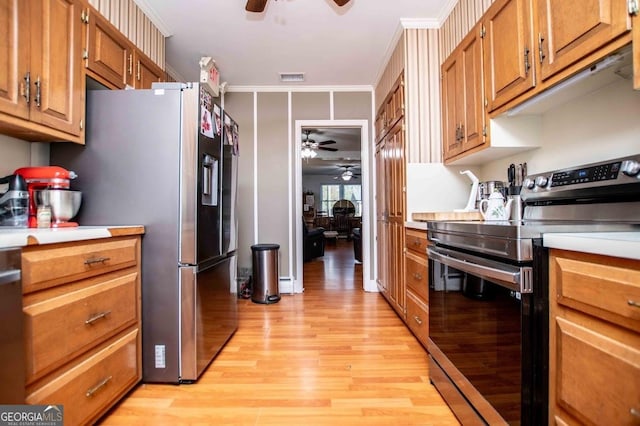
x,y
39,179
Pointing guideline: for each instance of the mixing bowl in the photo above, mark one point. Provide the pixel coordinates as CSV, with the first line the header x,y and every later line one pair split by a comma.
x,y
63,202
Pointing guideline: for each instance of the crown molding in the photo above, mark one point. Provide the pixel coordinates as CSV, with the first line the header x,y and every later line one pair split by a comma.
x,y
301,88
420,23
446,11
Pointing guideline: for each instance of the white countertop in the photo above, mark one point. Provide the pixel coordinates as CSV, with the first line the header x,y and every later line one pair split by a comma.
x,y
19,237
616,244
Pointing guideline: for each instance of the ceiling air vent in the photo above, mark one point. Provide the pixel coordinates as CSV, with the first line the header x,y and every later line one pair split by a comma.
x,y
291,77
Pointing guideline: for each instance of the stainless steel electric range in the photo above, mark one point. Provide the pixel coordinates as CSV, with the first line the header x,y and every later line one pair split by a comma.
x,y
488,290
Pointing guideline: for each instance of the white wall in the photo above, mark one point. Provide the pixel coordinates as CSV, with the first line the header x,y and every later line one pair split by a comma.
x,y
266,194
16,153
434,187
596,127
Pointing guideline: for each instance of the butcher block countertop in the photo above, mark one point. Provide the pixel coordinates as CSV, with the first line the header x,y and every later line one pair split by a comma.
x,y
20,237
430,216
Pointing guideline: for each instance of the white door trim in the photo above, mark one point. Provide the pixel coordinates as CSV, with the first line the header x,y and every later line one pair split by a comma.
x,y
368,209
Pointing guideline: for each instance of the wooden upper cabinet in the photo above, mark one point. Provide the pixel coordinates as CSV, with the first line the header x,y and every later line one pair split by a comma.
x,y
41,80
109,54
451,106
508,51
145,72
14,48
462,97
391,110
473,111
57,80
568,31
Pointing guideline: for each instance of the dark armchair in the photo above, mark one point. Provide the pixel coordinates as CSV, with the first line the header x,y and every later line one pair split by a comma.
x,y
313,242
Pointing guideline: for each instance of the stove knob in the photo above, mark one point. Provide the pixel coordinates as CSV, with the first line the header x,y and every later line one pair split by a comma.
x,y
529,183
630,167
542,181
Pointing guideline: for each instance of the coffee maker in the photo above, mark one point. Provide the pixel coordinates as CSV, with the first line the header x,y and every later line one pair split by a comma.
x,y
14,202
39,178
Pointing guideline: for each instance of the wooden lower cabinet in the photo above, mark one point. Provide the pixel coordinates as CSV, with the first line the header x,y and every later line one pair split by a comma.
x,y
94,383
81,302
594,356
416,273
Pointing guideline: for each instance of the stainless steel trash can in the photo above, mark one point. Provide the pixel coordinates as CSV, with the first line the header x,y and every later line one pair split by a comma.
x,y
265,273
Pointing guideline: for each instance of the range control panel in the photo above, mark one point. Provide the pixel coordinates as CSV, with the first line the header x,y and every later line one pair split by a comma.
x,y
589,174
584,180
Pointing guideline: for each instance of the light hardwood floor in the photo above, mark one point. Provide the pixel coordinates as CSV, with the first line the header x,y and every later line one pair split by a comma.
x,y
334,355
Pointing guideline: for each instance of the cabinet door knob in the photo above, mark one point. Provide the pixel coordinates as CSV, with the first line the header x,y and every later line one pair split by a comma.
x,y
417,319
633,303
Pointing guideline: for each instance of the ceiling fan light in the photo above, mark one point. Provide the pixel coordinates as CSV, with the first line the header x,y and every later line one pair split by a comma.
x,y
346,175
308,153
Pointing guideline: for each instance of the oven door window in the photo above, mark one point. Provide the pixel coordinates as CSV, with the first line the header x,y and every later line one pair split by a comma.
x,y
477,324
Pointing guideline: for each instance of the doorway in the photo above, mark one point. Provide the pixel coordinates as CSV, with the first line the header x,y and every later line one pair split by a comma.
x,y
337,168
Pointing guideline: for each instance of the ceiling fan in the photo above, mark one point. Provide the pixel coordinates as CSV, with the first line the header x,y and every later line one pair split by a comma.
x,y
259,5
312,144
347,173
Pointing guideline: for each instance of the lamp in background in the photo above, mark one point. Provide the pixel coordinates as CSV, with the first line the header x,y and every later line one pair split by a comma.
x,y
347,175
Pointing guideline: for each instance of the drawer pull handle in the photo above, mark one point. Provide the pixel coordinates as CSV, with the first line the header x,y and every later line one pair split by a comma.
x,y
417,276
417,319
96,317
96,260
634,412
417,243
633,303
97,387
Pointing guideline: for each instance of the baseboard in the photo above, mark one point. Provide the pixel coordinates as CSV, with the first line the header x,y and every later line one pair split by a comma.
x,y
285,285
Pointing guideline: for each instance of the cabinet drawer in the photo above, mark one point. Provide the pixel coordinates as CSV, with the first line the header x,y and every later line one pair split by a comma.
x,y
417,318
59,327
47,266
602,286
416,241
597,372
93,384
417,276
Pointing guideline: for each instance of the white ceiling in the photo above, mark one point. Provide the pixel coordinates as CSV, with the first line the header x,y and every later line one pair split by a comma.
x,y
332,45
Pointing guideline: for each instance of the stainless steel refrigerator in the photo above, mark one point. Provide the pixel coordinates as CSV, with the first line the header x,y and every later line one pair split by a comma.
x,y
159,158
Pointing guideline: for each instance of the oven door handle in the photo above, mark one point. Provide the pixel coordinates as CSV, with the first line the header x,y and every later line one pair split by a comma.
x,y
516,278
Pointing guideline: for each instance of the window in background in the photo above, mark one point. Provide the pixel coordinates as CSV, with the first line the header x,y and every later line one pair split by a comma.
x,y
332,193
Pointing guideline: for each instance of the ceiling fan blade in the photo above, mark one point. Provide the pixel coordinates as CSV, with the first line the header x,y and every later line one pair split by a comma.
x,y
341,2
327,149
326,142
255,5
